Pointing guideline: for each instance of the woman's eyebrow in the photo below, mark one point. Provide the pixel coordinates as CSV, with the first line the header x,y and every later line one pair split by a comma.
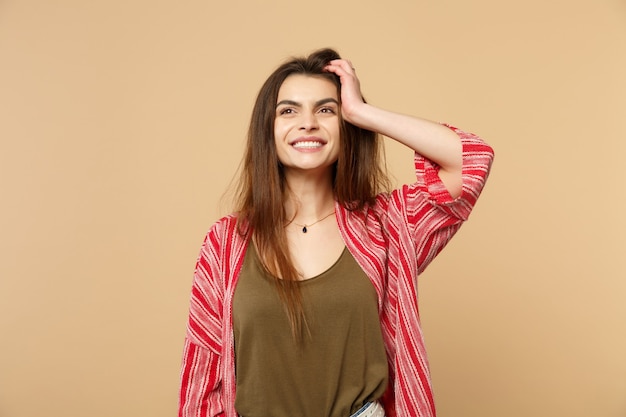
x,y
326,100
317,103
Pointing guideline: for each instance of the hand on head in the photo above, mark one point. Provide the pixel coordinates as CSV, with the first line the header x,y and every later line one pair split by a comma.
x,y
351,97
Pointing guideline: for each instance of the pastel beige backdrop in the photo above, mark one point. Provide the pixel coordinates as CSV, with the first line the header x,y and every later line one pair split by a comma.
x,y
122,125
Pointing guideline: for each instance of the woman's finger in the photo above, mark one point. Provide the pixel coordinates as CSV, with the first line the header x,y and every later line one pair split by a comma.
x,y
342,64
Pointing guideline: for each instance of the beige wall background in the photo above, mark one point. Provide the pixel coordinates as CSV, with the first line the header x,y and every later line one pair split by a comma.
x,y
122,125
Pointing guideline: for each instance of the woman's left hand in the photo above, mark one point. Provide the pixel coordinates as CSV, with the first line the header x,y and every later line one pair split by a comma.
x,y
351,99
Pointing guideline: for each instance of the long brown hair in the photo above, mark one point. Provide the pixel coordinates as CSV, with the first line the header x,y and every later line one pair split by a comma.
x,y
358,175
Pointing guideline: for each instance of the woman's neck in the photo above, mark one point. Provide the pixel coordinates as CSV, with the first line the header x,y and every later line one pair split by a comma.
x,y
310,197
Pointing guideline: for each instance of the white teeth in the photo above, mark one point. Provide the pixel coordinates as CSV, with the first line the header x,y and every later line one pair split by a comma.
x,y
307,144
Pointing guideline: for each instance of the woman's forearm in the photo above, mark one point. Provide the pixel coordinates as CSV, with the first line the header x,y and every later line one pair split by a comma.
x,y
432,140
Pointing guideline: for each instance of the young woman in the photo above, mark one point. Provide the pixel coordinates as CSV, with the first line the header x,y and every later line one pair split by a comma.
x,y
304,301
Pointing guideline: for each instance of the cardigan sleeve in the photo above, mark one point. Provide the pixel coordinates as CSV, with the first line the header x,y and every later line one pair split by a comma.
x,y
201,373
431,215
477,160
200,393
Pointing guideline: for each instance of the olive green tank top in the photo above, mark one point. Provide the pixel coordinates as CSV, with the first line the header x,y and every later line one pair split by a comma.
x,y
332,373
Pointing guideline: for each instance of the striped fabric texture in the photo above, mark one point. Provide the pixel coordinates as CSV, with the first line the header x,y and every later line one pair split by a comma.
x,y
393,241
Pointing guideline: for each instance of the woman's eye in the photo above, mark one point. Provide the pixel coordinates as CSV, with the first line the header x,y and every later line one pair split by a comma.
x,y
286,111
327,110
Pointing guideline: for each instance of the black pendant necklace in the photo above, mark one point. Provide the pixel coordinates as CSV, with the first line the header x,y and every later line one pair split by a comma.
x,y
305,227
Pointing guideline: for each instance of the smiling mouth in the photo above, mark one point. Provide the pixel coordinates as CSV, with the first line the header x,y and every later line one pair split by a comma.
x,y
308,144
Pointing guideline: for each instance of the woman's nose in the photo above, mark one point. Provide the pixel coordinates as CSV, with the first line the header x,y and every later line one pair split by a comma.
x,y
309,122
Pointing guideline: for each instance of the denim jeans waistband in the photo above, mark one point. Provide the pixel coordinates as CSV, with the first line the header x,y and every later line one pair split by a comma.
x,y
370,409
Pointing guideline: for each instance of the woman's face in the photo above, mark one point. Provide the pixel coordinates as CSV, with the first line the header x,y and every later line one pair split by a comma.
x,y
306,127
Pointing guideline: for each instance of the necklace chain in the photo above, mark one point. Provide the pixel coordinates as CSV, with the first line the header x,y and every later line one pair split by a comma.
x,y
305,227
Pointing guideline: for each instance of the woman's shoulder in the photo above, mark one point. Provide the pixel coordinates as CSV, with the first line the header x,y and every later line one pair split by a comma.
x,y
365,218
231,227
226,221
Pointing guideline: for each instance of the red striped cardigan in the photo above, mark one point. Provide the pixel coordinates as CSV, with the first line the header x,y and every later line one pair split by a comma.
x,y
393,240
